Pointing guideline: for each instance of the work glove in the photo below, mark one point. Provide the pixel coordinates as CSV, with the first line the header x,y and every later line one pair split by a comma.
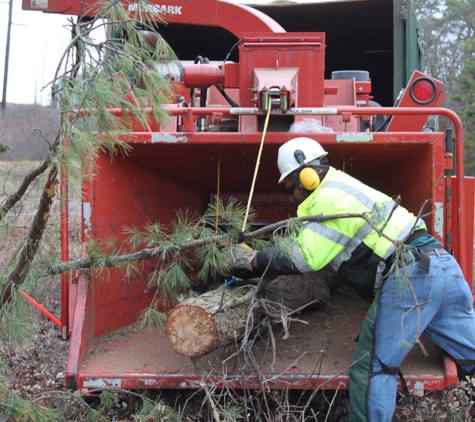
x,y
238,257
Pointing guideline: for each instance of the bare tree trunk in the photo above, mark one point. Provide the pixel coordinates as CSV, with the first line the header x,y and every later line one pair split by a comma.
x,y
35,235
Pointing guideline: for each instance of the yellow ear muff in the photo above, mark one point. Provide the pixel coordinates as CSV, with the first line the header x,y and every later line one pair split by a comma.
x,y
309,178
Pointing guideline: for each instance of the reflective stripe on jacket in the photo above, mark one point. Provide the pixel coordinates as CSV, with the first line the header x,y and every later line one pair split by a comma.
x,y
334,241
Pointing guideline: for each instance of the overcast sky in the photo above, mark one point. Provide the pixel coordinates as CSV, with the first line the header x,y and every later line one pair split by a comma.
x,y
37,42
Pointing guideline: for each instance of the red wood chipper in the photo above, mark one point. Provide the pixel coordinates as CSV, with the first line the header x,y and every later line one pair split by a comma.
x,y
288,76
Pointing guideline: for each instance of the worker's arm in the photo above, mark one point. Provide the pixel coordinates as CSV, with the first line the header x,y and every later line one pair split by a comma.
x,y
276,264
251,264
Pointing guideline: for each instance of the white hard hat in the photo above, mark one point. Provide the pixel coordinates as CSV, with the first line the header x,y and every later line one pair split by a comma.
x,y
287,161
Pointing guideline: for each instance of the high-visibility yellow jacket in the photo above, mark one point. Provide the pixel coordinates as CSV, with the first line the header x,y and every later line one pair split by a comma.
x,y
355,250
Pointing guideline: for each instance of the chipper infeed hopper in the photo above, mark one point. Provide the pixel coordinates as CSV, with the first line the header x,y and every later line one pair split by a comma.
x,y
204,151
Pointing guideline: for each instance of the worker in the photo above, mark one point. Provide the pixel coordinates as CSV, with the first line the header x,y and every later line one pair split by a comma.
x,y
426,294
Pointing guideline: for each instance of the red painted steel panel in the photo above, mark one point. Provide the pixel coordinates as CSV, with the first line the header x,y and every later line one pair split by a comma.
x,y
382,162
127,194
235,18
415,123
468,224
299,382
308,57
82,331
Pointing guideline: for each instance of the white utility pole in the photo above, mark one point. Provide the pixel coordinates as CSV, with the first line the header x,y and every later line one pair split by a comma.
x,y
7,55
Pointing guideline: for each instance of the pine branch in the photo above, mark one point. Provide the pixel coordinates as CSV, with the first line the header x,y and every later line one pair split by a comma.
x,y
146,253
318,218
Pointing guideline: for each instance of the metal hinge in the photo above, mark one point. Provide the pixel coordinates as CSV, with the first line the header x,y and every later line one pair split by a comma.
x,y
404,13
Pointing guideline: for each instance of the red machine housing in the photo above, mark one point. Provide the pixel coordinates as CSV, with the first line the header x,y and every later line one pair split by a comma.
x,y
176,167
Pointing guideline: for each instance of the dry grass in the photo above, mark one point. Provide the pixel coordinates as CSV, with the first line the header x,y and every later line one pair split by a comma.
x,y
27,129
15,225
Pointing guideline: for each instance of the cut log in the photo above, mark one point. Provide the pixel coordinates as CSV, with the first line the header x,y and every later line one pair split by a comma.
x,y
198,325
217,318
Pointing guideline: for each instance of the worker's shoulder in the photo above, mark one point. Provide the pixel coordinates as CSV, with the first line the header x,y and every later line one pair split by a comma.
x,y
337,178
346,182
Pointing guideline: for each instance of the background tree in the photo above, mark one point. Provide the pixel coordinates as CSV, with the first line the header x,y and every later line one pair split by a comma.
x,y
466,99
463,12
447,34
16,123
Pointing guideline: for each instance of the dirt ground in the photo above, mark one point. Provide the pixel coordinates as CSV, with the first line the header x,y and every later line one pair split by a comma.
x,y
39,370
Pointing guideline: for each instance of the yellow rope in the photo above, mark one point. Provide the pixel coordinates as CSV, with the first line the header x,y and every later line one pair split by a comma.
x,y
217,200
257,165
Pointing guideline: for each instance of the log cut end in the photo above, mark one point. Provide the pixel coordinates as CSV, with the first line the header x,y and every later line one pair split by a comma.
x,y
192,332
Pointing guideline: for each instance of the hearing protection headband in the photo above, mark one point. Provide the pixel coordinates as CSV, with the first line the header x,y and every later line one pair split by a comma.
x,y
309,178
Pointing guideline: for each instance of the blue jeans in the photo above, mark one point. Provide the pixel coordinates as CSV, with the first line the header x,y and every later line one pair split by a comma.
x,y
444,314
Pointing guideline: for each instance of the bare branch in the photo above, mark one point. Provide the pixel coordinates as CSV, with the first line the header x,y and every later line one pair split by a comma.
x,y
29,178
33,240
